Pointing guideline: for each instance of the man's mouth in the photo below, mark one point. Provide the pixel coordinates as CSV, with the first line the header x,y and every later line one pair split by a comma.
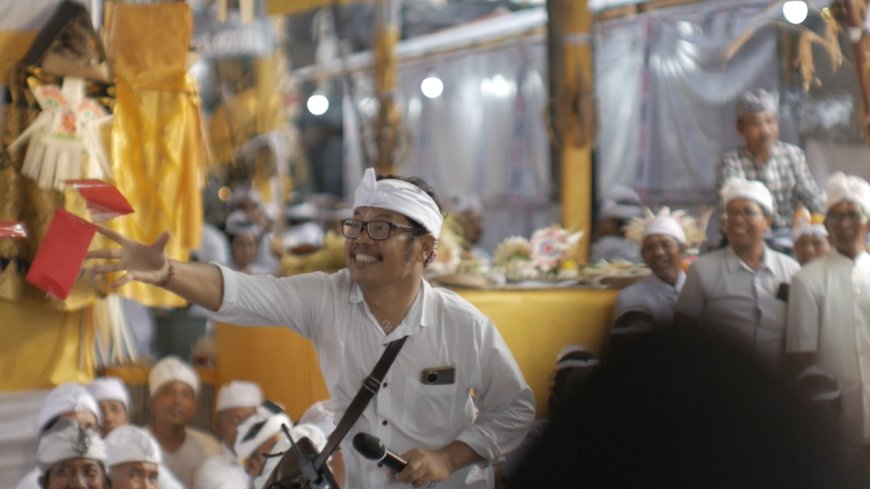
x,y
365,257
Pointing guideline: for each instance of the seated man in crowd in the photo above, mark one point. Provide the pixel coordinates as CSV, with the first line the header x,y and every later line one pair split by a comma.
x,y
829,312
71,456
742,288
620,205
236,401
114,401
662,246
780,166
810,239
66,401
173,386
132,458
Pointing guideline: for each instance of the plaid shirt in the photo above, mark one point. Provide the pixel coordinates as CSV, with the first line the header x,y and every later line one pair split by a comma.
x,y
785,174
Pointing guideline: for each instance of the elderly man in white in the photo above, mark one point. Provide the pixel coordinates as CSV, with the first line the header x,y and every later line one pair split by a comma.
x,y
447,435
829,309
662,246
741,289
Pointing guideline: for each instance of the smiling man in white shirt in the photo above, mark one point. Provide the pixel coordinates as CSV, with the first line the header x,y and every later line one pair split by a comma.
x,y
737,289
447,435
829,309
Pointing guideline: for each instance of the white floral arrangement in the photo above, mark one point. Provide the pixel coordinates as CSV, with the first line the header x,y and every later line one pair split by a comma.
x,y
550,253
694,228
448,252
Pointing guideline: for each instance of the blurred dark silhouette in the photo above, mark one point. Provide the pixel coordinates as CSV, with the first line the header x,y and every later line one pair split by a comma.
x,y
683,407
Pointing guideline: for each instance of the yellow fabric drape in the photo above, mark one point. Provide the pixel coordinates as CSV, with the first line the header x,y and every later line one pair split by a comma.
x,y
158,155
43,347
535,324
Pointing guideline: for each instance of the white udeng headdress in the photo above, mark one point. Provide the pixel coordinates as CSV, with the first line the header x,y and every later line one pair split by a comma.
x,y
131,444
67,440
847,187
399,196
239,393
741,188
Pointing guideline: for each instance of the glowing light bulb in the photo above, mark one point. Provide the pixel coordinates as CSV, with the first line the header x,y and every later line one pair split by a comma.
x,y
317,104
432,87
795,11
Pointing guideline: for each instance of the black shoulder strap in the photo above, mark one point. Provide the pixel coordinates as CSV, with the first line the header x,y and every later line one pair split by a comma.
x,y
370,387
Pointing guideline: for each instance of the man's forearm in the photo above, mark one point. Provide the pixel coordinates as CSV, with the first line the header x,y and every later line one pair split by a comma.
x,y
459,455
199,283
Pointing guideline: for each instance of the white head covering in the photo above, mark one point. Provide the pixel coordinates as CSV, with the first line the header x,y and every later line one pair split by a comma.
x,y
239,393
667,226
297,432
109,389
320,414
65,398
67,440
131,444
399,196
849,188
169,369
756,101
257,428
740,188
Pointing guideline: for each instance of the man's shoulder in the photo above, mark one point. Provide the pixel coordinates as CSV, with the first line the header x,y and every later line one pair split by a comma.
x,y
445,301
202,438
786,263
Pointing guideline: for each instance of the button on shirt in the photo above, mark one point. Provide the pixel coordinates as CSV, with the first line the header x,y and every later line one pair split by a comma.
x,y
829,315
785,174
726,294
444,331
652,295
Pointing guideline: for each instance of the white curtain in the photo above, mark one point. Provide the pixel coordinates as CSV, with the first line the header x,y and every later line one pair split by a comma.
x,y
18,430
484,136
665,95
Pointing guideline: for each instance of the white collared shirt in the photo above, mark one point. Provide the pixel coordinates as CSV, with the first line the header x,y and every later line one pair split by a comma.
x,y
444,330
722,292
652,295
829,315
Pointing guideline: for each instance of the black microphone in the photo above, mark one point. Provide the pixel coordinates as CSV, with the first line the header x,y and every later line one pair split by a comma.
x,y
371,447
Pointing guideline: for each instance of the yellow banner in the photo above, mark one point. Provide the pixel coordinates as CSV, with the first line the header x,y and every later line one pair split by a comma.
x,y
290,7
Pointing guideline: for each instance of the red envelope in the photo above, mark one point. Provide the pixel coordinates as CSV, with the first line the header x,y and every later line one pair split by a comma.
x,y
61,254
104,200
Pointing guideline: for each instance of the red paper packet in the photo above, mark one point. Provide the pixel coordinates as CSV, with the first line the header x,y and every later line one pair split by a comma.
x,y
104,200
61,254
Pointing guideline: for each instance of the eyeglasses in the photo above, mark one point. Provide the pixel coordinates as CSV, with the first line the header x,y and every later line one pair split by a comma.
x,y
853,217
377,230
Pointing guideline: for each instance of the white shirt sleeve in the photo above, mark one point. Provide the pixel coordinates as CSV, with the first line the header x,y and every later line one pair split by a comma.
x,y
802,332
692,298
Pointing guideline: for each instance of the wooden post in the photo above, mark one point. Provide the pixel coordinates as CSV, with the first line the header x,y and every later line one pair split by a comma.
x,y
572,110
386,37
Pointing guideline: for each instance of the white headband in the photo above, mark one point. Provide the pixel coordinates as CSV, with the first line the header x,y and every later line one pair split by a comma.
x,y
843,187
131,444
399,196
67,440
740,188
238,393
257,428
66,398
170,369
667,226
109,389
